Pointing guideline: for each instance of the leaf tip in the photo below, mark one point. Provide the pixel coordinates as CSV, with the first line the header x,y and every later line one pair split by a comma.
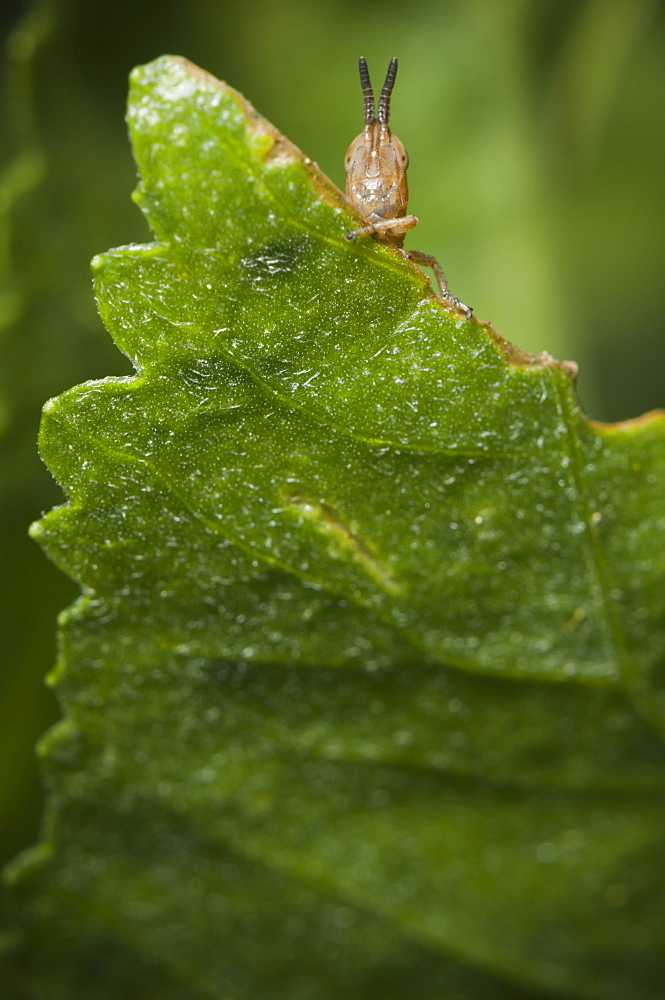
x,y
36,532
519,358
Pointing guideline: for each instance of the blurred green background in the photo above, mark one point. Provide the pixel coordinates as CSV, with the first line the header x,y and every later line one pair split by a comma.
x,y
535,132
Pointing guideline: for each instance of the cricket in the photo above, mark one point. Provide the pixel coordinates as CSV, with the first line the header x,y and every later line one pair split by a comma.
x,y
376,163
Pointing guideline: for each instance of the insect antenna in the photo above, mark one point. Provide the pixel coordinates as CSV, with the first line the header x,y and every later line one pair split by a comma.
x,y
368,93
384,100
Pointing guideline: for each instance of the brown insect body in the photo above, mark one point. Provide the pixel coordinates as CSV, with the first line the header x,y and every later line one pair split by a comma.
x,y
376,182
376,163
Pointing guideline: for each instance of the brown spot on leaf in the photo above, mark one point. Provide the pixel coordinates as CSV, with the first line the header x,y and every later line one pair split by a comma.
x,y
331,521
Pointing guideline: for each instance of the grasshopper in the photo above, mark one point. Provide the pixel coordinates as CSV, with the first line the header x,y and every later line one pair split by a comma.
x,y
376,163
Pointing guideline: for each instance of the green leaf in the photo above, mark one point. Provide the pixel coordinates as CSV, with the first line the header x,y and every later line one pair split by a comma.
x,y
365,687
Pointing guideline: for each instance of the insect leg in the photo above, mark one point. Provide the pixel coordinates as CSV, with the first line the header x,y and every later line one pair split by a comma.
x,y
384,226
427,260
